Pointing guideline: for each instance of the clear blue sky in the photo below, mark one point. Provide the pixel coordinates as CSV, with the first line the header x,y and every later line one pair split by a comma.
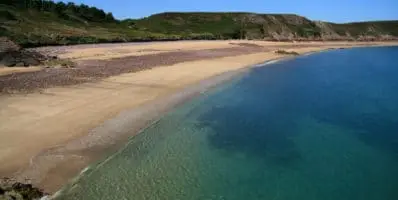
x,y
326,10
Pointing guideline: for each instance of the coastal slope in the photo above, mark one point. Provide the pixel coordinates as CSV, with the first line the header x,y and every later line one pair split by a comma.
x,y
42,23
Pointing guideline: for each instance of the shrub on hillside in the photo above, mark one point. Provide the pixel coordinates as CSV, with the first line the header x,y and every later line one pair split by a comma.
x,y
287,52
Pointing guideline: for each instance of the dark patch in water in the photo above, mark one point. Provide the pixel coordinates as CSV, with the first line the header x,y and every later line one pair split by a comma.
x,y
358,91
249,121
255,134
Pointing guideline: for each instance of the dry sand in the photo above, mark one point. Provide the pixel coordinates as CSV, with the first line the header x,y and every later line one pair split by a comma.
x,y
109,51
41,131
11,70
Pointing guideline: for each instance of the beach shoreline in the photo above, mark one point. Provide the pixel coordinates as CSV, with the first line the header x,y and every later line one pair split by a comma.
x,y
100,117
144,117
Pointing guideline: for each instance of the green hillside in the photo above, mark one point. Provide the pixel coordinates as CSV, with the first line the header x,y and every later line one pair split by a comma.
x,y
228,25
40,22
262,26
52,24
368,28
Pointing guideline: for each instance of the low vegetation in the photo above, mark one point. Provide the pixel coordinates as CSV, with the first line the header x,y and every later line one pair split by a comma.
x,y
59,63
43,22
284,52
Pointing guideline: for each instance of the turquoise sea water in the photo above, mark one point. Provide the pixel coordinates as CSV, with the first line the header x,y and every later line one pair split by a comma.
x,y
317,127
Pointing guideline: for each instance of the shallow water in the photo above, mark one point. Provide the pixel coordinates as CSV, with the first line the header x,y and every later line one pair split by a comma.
x,y
323,126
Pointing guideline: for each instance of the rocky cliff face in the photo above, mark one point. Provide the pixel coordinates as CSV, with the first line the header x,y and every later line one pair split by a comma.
x,y
328,33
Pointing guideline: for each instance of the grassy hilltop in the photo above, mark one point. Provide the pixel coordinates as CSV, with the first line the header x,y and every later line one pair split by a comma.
x,y
40,22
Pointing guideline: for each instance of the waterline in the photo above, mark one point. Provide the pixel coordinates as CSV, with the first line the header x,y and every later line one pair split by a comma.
x,y
314,127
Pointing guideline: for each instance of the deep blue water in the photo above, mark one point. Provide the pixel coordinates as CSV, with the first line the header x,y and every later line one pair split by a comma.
x,y
322,126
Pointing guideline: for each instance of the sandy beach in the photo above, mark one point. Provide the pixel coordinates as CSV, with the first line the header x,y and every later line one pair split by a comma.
x,y
50,117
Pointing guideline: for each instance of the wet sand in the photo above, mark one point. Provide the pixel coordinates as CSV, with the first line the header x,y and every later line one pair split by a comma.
x,y
54,130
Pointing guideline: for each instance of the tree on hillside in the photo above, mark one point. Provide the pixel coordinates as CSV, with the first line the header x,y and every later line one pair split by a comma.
x,y
109,17
59,8
63,10
16,3
7,2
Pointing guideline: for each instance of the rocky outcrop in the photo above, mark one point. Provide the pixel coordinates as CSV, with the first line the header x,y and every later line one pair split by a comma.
x,y
11,190
7,45
20,59
327,32
12,55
